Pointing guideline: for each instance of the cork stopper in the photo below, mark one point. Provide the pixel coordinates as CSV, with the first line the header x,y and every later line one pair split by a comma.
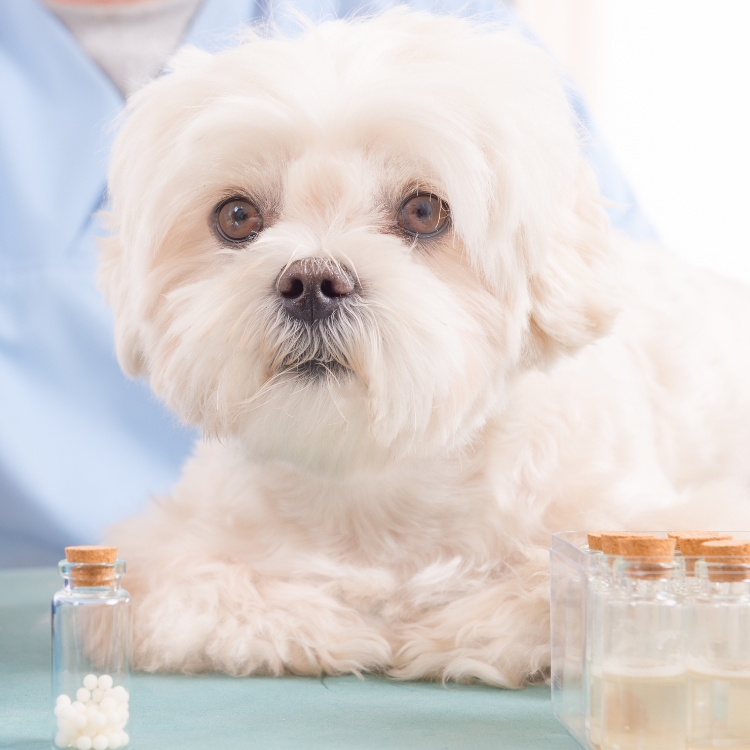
x,y
678,536
91,554
595,540
734,562
691,546
93,565
653,556
653,549
610,545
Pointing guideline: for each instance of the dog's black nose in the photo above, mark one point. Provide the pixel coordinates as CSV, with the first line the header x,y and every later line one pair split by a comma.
x,y
312,288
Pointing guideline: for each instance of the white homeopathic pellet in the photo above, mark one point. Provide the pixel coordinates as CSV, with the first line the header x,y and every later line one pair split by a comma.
x,y
120,694
79,721
97,719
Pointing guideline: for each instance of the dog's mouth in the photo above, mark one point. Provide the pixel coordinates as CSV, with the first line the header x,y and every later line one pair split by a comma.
x,y
317,370
317,352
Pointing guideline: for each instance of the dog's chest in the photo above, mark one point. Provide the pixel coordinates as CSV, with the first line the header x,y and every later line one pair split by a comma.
x,y
414,517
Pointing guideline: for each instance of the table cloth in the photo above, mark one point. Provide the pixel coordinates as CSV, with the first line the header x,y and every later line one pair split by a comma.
x,y
217,712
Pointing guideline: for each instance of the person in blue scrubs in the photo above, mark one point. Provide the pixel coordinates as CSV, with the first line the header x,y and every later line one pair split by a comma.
x,y
80,445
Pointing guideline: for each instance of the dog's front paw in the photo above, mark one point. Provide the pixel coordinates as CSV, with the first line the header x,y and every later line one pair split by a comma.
x,y
499,636
227,619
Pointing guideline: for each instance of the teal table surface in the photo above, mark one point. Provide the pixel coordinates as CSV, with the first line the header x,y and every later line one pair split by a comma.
x,y
210,712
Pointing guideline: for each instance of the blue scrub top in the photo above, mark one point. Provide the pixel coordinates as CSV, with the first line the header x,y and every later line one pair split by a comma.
x,y
80,445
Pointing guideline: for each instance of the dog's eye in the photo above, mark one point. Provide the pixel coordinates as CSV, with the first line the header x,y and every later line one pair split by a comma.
x,y
238,220
423,215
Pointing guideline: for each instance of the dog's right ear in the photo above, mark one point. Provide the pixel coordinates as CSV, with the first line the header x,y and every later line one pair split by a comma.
x,y
126,252
128,335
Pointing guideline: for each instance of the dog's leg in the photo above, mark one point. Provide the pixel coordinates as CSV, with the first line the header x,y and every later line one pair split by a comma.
x,y
498,634
219,615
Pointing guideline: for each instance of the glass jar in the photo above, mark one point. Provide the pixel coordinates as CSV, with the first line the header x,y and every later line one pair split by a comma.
x,y
719,653
643,689
604,584
689,544
91,652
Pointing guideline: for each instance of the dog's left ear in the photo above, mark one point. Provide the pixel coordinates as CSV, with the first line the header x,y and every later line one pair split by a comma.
x,y
572,286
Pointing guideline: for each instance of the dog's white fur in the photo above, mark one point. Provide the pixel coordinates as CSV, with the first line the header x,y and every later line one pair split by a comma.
x,y
525,373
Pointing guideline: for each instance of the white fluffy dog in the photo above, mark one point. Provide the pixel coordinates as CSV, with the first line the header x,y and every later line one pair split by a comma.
x,y
373,266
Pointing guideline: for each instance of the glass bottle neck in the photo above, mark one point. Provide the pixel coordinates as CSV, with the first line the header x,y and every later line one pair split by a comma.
x,y
645,579
92,578
70,584
725,580
724,589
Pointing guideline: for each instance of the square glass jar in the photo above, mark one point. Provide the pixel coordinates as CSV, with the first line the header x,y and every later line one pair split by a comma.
x,y
650,657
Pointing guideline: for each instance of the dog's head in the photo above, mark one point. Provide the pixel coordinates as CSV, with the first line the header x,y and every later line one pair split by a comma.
x,y
342,248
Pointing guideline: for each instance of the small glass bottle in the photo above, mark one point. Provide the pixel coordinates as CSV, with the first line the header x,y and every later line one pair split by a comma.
x,y
719,651
643,654
601,586
689,544
91,652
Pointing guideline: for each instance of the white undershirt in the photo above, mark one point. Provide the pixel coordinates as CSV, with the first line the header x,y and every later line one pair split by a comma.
x,y
129,41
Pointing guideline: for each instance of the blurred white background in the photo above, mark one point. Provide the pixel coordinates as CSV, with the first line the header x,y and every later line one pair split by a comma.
x,y
668,82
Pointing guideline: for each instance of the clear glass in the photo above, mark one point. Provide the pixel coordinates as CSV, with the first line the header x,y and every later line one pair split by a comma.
x,y
570,570
719,657
599,586
663,669
644,677
91,658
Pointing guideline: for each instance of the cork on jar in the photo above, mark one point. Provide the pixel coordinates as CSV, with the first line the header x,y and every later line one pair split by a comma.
x,y
610,543
651,557
689,542
91,565
727,559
